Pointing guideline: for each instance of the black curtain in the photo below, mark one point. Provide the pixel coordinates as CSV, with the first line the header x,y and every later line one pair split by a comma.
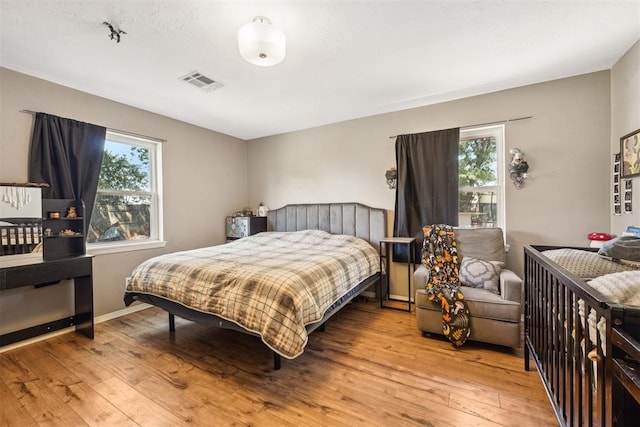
x,y
427,187
67,155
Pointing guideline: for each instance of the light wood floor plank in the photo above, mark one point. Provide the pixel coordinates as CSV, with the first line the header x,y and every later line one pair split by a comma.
x,y
12,412
371,367
45,407
141,409
76,394
82,365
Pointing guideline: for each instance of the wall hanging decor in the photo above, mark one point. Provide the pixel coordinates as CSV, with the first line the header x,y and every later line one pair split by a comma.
x,y
518,168
622,189
630,153
627,186
617,206
392,177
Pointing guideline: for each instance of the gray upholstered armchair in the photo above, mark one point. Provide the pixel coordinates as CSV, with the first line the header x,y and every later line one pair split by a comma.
x,y
495,316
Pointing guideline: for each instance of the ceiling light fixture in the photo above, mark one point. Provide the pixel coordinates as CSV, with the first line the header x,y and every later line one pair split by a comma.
x,y
261,43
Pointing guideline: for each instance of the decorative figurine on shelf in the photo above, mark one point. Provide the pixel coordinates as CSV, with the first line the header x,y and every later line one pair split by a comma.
x,y
71,213
262,210
518,168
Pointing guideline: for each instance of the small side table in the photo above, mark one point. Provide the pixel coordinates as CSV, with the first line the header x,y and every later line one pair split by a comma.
x,y
387,243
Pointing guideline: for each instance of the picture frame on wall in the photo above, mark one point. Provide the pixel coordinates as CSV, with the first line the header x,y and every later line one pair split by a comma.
x,y
630,155
628,191
617,206
627,207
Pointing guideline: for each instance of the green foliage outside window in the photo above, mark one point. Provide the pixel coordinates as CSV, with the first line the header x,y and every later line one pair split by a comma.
x,y
477,167
122,207
122,172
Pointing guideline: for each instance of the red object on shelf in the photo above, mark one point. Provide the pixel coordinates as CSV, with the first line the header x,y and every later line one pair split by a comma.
x,y
599,236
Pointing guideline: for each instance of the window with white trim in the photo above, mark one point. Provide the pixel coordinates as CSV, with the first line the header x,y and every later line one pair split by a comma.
x,y
128,211
480,177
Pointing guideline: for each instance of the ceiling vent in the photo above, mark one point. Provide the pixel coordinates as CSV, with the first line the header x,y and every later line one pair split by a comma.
x,y
202,82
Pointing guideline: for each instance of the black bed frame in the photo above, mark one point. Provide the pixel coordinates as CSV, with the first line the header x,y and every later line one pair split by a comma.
x,y
597,391
177,309
353,219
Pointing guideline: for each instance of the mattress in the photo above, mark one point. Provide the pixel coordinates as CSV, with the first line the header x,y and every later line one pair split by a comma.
x,y
271,284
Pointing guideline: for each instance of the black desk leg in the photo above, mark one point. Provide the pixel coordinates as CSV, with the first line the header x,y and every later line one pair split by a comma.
x,y
411,265
83,290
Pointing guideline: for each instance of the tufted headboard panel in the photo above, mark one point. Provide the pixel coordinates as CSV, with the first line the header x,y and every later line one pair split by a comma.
x,y
354,219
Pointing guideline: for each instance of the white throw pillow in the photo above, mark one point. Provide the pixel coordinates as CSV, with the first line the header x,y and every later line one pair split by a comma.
x,y
476,273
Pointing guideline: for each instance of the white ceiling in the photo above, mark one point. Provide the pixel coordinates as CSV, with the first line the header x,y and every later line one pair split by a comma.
x,y
345,59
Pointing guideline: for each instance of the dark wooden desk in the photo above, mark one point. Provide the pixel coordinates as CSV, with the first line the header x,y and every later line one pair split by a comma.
x,y
79,269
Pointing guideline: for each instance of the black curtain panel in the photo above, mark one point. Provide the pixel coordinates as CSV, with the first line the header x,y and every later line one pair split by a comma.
x,y
427,188
67,155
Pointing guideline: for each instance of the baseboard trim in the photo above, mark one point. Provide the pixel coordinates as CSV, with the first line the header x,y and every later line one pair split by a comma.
x,y
123,312
118,313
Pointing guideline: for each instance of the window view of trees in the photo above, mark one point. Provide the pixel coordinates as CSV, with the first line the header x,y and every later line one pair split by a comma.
x,y
123,203
478,182
125,172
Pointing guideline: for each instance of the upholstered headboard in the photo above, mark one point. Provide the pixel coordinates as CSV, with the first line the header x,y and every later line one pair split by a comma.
x,y
354,219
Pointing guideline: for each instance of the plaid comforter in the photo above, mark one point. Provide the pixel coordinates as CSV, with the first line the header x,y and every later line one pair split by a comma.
x,y
272,284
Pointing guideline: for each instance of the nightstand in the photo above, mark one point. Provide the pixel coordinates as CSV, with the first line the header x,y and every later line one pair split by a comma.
x,y
386,251
243,226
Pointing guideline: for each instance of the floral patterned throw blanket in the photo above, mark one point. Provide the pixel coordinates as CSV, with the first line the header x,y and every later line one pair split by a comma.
x,y
271,284
440,256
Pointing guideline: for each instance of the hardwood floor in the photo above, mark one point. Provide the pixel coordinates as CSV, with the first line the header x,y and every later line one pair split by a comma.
x,y
370,367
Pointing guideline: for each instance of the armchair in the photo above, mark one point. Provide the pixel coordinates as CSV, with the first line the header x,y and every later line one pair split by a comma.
x,y
495,317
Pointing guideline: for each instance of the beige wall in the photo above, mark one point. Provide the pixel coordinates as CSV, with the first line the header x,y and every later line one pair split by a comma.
x,y
566,196
205,179
625,118
565,143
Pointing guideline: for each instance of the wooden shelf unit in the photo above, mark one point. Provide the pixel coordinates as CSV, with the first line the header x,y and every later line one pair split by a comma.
x,y
57,245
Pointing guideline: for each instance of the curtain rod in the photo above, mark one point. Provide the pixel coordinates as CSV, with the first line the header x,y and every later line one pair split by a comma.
x,y
486,124
124,132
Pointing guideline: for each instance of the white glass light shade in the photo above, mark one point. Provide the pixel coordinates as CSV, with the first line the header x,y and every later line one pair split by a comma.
x,y
261,43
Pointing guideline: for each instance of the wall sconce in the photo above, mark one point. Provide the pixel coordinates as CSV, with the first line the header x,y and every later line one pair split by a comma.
x,y
518,168
392,177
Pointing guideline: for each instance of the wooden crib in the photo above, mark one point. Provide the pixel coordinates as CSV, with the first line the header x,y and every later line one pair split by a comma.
x,y
585,348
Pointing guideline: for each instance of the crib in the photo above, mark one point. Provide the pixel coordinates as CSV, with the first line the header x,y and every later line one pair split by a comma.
x,y
586,349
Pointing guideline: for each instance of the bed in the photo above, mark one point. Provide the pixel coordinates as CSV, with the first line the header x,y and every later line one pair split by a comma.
x,y
279,285
583,335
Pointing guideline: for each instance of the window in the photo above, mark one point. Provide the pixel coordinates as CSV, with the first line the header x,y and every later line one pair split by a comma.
x,y
127,213
480,177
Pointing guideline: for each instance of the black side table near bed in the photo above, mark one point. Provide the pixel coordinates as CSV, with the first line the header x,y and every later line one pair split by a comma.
x,y
386,251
